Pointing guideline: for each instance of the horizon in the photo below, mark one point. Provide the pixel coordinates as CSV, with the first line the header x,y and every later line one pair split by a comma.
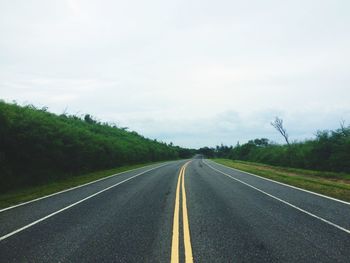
x,y
81,115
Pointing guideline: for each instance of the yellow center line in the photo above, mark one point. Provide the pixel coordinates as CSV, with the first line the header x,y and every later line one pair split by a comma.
x,y
175,240
186,229
186,226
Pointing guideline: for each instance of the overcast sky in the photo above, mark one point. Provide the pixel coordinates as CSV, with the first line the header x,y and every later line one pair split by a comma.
x,y
192,72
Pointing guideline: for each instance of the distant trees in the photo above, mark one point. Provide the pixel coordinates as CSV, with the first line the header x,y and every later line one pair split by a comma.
x,y
207,152
263,142
222,150
185,153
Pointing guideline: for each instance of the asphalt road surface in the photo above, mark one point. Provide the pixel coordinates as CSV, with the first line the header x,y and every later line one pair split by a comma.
x,y
181,211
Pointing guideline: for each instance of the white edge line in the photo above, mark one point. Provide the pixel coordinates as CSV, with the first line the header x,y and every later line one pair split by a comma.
x,y
281,200
72,188
291,186
74,204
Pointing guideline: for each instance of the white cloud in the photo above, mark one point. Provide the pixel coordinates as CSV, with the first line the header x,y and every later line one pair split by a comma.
x,y
192,72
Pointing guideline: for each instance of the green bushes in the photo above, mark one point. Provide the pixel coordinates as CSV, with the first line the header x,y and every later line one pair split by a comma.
x,y
38,146
329,151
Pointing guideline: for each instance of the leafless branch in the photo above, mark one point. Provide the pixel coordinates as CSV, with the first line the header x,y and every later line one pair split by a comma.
x,y
343,128
278,125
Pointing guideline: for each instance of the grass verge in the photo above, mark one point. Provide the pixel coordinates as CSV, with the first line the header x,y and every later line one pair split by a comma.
x,y
33,192
332,184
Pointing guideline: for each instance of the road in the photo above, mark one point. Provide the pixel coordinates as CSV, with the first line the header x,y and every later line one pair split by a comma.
x,y
181,211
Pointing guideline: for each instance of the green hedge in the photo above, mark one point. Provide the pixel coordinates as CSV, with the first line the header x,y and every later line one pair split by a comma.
x,y
38,146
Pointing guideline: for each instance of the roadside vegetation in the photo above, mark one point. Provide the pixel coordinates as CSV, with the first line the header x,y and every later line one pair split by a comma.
x,y
32,192
332,184
321,164
38,147
328,151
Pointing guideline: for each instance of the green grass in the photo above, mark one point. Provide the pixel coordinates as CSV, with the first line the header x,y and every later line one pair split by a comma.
x,y
332,184
30,193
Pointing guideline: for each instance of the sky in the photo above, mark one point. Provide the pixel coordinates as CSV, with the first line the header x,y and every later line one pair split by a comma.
x,y
195,73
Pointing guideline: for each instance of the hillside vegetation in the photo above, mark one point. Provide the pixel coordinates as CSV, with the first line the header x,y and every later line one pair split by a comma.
x,y
37,146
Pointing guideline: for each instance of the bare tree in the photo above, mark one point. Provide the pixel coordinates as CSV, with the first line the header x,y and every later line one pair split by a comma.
x,y
343,128
278,125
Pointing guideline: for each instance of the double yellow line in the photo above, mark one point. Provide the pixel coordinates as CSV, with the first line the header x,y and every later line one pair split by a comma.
x,y
186,227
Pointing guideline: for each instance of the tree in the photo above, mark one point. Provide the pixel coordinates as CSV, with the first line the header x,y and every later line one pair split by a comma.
x,y
263,142
88,118
278,125
207,152
344,130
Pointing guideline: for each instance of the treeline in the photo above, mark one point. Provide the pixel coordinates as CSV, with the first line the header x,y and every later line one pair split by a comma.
x,y
38,146
329,151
